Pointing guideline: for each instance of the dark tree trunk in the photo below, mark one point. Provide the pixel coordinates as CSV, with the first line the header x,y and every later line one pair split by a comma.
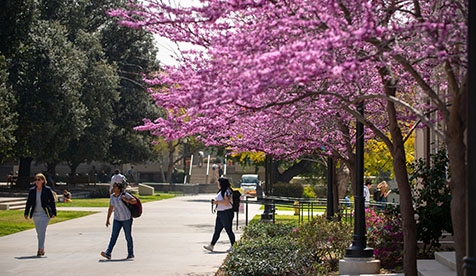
x,y
397,150
457,156
303,166
24,172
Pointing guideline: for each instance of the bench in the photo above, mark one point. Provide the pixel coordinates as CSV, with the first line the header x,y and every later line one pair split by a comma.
x,y
13,180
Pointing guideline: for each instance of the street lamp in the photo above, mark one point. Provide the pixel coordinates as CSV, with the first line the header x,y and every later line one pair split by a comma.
x,y
358,257
185,141
359,248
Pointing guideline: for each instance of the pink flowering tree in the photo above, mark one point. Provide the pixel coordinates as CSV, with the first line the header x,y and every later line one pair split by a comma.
x,y
283,77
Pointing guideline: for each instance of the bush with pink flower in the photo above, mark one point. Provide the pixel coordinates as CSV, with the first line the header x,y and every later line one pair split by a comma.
x,y
384,235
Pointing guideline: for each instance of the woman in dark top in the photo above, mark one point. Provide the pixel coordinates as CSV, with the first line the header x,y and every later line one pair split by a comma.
x,y
40,206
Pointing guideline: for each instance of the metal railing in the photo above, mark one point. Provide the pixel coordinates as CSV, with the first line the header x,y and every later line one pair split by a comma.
x,y
308,207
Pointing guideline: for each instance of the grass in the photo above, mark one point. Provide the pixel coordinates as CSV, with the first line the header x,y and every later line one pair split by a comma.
x,y
316,208
12,221
104,202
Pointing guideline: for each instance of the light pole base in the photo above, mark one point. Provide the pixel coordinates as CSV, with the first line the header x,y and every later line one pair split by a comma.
x,y
353,266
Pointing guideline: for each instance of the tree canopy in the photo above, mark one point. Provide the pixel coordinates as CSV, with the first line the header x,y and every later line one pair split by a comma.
x,y
74,86
282,77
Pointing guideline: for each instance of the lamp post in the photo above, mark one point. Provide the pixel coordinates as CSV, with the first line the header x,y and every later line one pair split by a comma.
x,y
268,212
358,258
330,188
359,248
185,141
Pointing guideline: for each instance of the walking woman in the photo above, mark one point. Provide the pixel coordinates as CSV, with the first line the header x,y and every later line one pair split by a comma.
x,y
40,206
224,219
122,219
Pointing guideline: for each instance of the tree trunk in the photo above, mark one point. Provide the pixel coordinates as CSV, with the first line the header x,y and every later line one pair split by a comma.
x,y
397,150
304,166
73,166
24,172
343,178
171,162
406,209
457,155
50,173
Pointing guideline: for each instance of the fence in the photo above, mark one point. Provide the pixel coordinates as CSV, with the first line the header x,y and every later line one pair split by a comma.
x,y
307,207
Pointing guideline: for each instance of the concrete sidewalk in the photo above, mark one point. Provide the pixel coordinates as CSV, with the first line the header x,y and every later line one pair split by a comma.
x,y
168,240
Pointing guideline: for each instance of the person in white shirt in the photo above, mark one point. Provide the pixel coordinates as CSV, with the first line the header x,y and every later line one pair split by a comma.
x,y
367,186
116,178
225,214
122,219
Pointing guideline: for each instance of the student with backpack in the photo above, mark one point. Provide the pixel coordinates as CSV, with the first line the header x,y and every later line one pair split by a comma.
x,y
122,219
225,214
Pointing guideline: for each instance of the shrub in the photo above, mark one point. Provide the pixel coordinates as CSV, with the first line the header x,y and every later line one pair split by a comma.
x,y
268,256
309,192
258,229
288,190
320,191
100,192
384,235
313,248
432,198
326,241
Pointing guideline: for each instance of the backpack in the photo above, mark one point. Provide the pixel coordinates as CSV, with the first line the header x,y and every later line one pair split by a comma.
x,y
136,209
236,198
377,195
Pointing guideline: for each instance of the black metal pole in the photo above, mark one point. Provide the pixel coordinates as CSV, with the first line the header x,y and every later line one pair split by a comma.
x,y
469,265
330,188
359,248
184,162
268,213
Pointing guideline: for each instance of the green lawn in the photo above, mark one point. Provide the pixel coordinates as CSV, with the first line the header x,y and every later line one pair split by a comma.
x,y
12,221
104,202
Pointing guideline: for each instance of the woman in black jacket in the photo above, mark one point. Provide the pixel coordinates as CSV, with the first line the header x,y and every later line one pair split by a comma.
x,y
40,206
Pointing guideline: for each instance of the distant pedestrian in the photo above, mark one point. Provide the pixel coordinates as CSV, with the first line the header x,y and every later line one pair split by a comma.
x,y
116,178
201,155
131,175
122,219
224,218
215,174
381,194
220,170
40,206
10,178
367,186
174,176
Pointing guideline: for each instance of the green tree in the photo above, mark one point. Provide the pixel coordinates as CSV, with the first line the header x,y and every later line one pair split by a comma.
x,y
8,116
47,82
15,20
98,93
134,53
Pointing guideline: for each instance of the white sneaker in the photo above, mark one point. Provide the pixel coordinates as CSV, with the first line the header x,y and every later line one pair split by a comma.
x,y
229,249
208,247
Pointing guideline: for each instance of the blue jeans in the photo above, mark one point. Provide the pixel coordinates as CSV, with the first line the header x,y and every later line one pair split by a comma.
x,y
224,220
116,228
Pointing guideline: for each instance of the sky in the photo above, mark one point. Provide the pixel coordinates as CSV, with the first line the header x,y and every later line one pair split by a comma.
x,y
167,48
167,51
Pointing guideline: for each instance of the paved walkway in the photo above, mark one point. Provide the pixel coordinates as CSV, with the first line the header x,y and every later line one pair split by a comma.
x,y
168,240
